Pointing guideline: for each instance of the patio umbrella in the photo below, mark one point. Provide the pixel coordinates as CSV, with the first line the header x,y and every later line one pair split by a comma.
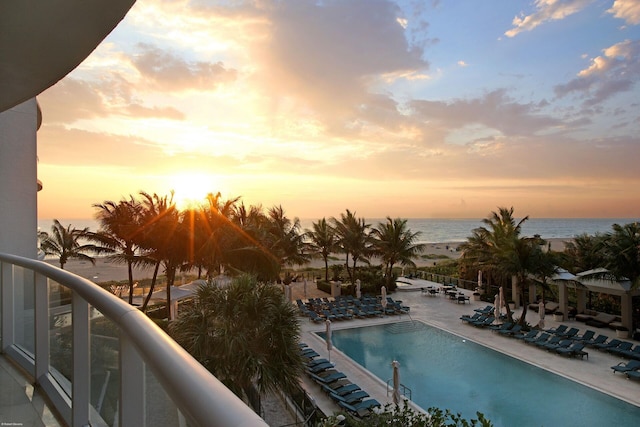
x,y
358,293
396,382
541,313
327,325
383,298
287,292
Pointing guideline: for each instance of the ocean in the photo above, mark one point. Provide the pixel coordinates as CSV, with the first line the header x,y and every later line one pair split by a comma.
x,y
448,230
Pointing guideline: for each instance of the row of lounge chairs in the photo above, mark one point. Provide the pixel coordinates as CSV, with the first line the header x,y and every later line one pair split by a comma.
x,y
348,307
349,396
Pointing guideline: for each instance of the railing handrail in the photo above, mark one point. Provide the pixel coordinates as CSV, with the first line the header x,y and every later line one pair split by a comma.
x,y
199,395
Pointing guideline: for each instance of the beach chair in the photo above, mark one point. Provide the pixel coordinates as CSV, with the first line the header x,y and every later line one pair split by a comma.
x,y
482,323
600,339
609,344
538,339
313,317
556,331
633,375
569,333
467,318
588,335
350,398
320,367
361,409
623,346
328,378
529,335
554,339
502,327
486,310
341,389
632,354
574,350
632,365
314,362
511,332
555,346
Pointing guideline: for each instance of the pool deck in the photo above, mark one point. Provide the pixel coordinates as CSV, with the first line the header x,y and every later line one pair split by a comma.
x,y
443,313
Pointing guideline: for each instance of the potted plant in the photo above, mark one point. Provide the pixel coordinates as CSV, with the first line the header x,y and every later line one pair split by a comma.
x,y
512,305
622,332
476,296
558,316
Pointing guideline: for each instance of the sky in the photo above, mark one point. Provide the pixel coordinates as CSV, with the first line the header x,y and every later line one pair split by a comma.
x,y
413,109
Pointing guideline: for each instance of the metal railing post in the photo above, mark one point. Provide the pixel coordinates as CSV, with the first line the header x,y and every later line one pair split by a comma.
x,y
81,366
132,385
41,322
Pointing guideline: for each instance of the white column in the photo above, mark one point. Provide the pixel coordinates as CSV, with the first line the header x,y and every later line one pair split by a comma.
x,y
18,180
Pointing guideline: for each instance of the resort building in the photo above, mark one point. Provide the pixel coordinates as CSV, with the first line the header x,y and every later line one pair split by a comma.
x,y
91,357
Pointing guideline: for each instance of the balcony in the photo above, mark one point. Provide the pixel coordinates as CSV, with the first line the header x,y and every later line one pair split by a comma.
x,y
99,361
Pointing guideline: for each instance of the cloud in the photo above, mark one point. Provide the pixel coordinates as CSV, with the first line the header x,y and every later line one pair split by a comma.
x,y
629,10
494,110
546,10
617,70
162,70
327,58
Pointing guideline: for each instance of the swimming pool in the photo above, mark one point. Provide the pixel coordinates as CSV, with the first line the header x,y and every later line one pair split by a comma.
x,y
446,371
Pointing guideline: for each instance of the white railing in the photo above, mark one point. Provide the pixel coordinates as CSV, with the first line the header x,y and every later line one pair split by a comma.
x,y
102,362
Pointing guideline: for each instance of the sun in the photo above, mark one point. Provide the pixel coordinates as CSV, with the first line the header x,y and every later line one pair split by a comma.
x,y
191,189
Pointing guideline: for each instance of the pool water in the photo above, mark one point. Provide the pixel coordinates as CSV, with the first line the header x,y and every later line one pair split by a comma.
x,y
448,372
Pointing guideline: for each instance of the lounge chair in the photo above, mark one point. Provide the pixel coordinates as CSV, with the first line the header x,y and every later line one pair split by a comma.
x,y
632,365
361,409
309,353
467,318
329,378
562,344
314,362
529,335
350,398
574,350
488,309
609,344
511,332
569,333
600,339
588,335
623,346
482,323
601,320
342,389
554,339
632,354
538,339
556,331
313,317
503,327
320,367
633,375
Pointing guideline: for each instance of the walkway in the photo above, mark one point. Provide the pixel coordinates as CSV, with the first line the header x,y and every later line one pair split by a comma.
x,y
445,314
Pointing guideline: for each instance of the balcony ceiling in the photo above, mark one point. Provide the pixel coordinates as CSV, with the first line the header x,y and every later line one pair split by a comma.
x,y
41,41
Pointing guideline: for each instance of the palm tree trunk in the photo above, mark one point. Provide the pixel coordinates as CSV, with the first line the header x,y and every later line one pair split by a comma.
x,y
130,272
326,269
153,284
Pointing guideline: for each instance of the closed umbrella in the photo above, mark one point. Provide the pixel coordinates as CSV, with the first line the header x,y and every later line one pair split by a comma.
x,y
327,325
358,293
541,312
383,299
496,308
479,280
396,382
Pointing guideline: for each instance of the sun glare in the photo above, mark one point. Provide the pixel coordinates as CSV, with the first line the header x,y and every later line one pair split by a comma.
x,y
191,189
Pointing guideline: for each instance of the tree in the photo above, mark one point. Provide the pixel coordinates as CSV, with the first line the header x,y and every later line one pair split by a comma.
x,y
622,252
119,227
353,239
284,238
395,243
245,334
584,253
322,242
65,243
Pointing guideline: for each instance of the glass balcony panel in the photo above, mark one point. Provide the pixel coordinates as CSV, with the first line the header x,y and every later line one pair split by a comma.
x,y
60,335
24,309
105,375
160,409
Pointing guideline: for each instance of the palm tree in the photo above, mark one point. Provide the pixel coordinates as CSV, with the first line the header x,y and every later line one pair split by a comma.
x,y
622,252
245,334
65,243
284,238
395,243
119,226
322,242
584,252
353,238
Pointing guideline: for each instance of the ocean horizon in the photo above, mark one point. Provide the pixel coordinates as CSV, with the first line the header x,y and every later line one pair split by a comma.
x,y
439,230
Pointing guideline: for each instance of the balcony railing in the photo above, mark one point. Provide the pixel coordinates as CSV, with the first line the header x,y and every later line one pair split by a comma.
x,y
102,362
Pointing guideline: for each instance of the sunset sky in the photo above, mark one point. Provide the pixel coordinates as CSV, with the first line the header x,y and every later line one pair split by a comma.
x,y
443,109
